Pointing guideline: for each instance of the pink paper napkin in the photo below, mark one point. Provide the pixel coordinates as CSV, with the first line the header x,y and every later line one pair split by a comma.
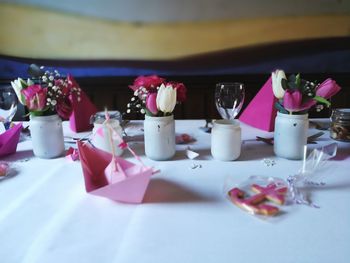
x,y
9,140
79,120
261,112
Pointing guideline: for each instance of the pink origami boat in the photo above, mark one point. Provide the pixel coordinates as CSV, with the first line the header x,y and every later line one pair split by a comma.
x,y
9,140
126,183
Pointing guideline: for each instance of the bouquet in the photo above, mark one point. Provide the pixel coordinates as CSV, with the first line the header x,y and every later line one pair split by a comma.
x,y
296,95
154,96
46,92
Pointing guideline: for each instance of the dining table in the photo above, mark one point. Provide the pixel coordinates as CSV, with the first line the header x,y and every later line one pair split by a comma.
x,y
46,215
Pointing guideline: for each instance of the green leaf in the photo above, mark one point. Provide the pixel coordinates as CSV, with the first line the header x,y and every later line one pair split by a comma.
x,y
280,108
284,84
322,100
298,80
35,71
148,113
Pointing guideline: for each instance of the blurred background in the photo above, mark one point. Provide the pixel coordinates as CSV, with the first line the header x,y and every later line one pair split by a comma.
x,y
107,43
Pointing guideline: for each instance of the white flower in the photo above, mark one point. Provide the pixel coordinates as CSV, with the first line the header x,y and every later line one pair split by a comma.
x,y
18,85
166,99
277,88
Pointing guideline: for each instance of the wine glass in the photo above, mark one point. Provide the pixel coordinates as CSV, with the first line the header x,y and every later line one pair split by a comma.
x,y
229,98
8,104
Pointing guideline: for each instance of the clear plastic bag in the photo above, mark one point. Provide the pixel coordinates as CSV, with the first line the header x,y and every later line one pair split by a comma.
x,y
265,196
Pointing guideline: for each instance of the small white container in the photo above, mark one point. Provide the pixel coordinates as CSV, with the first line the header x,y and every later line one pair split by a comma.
x,y
102,137
290,135
159,137
47,136
226,140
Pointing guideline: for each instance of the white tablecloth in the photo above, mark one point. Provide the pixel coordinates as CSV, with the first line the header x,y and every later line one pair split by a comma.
x,y
46,215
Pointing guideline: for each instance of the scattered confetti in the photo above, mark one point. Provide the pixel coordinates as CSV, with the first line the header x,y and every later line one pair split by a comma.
x,y
195,166
72,154
191,154
268,162
4,168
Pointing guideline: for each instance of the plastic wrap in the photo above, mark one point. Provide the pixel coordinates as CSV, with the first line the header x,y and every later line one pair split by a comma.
x,y
266,196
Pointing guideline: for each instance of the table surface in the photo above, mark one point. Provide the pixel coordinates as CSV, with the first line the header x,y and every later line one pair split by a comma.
x,y
46,215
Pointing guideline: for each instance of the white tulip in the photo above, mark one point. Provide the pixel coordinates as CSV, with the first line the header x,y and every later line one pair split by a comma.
x,y
277,88
166,99
18,85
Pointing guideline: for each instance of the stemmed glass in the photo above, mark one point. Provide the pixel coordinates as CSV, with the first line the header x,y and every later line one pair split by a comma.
x,y
8,104
229,98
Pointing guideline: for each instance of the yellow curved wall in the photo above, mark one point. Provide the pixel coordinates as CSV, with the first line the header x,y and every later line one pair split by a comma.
x,y
39,33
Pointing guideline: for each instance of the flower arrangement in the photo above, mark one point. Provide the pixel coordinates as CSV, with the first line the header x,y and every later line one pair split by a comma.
x,y
296,95
46,92
154,96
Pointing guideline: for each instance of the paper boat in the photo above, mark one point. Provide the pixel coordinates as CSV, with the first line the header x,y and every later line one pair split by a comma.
x,y
9,140
129,181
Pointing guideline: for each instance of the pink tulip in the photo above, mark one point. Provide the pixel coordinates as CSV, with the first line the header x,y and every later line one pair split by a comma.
x,y
151,103
327,89
35,97
148,82
292,101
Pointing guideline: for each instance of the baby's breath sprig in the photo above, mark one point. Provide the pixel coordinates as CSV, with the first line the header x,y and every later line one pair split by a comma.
x,y
138,101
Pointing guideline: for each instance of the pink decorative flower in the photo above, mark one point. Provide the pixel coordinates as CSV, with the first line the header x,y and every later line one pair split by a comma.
x,y
181,90
148,82
35,97
292,101
327,88
151,103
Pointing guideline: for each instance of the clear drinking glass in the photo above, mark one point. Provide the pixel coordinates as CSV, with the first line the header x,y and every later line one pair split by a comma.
x,y
229,98
8,104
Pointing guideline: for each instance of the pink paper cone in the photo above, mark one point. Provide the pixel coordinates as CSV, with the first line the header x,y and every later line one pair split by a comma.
x,y
82,111
128,183
261,112
9,140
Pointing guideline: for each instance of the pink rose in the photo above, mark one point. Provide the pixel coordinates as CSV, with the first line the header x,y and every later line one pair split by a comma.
x,y
181,90
35,97
292,101
327,89
151,103
148,82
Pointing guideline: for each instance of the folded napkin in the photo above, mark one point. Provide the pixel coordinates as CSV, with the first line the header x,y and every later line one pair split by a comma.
x,y
113,177
260,112
79,120
9,140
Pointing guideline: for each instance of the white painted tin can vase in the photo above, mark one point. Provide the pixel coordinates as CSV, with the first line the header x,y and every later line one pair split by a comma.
x,y
159,137
47,136
290,135
226,140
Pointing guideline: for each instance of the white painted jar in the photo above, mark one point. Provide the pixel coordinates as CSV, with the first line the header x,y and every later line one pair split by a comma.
x,y
47,136
159,137
226,140
290,135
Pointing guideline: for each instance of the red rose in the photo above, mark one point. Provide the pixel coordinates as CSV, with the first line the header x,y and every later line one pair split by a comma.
x,y
148,82
64,108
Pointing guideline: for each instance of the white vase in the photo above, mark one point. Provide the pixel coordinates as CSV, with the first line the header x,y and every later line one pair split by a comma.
x,y
290,135
226,140
159,137
47,136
